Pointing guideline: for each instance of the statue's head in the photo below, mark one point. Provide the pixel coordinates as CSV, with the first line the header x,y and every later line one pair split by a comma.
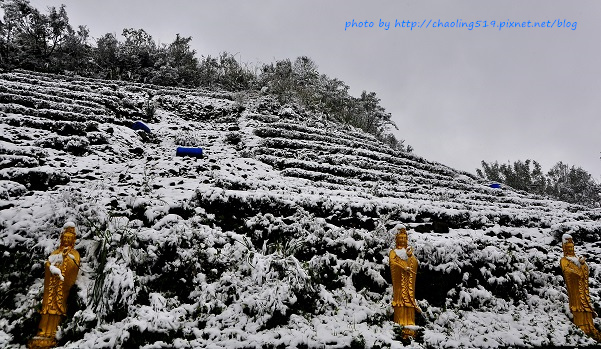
x,y
68,236
401,237
568,245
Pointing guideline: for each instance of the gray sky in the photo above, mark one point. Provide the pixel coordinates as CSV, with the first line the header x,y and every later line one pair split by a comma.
x,y
457,96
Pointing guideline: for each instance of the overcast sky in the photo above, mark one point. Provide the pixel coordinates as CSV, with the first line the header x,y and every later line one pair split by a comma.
x,y
458,96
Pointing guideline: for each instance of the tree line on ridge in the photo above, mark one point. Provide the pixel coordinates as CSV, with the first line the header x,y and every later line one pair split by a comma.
x,y
562,182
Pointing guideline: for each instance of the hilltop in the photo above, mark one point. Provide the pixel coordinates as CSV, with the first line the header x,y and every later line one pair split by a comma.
x,y
278,237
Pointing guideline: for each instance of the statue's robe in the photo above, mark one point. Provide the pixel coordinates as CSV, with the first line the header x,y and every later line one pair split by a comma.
x,y
575,274
61,271
403,269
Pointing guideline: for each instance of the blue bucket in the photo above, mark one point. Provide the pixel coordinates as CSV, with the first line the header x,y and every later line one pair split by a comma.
x,y
496,185
185,151
139,125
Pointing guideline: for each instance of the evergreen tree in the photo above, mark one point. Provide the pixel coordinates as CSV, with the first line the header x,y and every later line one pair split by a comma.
x,y
106,57
573,184
176,64
306,79
136,55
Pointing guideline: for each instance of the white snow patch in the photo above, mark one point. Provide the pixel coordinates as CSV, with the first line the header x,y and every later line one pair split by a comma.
x,y
401,253
574,260
56,271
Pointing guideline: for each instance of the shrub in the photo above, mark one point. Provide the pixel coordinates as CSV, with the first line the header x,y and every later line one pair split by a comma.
x,y
233,138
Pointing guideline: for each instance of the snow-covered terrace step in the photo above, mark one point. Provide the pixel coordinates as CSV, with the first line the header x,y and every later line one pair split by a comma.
x,y
54,114
293,149
200,109
182,92
417,189
57,95
76,83
421,178
420,187
511,214
113,86
339,171
19,149
397,158
403,171
36,178
525,201
105,101
477,194
19,122
35,80
109,99
277,133
329,131
64,93
262,201
454,214
25,136
318,176
7,161
39,103
358,164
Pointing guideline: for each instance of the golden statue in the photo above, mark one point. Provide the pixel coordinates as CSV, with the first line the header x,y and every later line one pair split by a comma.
x,y
575,274
61,270
403,267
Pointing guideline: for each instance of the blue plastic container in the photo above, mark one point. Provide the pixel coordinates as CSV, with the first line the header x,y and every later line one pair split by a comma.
x,y
186,151
496,185
139,125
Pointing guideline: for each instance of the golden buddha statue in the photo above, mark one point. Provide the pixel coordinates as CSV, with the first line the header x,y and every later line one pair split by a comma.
x,y
61,270
575,274
403,267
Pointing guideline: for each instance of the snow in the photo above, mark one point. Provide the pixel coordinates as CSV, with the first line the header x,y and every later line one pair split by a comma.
x,y
574,260
282,240
56,271
401,253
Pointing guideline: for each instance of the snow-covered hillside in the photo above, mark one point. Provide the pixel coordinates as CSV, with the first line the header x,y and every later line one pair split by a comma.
x,y
276,238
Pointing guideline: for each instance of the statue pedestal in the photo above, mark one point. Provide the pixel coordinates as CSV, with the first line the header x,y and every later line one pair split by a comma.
x,y
38,342
408,333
